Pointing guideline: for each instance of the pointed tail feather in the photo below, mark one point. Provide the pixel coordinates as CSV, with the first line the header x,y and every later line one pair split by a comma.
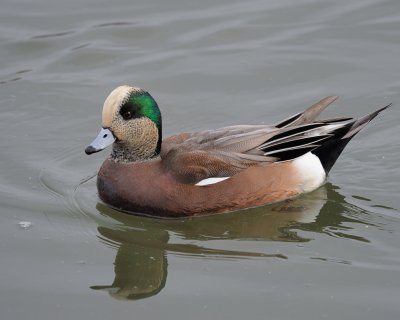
x,y
329,152
363,121
308,115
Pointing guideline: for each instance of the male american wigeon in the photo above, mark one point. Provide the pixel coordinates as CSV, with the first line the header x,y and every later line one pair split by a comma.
x,y
213,171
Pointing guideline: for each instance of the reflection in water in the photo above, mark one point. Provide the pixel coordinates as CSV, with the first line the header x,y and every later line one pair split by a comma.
x,y
143,243
140,271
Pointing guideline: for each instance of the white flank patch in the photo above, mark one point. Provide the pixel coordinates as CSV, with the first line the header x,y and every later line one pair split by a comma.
x,y
310,171
209,181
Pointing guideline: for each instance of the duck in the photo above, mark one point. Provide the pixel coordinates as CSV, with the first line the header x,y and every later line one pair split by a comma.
x,y
207,172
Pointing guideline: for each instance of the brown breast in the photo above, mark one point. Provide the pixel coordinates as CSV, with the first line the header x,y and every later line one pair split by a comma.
x,y
145,188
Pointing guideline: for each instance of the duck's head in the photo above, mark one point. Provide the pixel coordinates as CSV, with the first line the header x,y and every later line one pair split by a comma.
x,y
131,121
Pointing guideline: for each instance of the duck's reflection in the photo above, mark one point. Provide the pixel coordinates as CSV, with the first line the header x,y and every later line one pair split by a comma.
x,y
140,271
143,243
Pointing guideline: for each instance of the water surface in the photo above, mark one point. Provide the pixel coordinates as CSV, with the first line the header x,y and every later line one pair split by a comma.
x,y
333,253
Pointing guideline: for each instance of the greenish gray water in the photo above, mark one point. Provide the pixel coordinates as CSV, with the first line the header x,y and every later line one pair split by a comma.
x,y
332,254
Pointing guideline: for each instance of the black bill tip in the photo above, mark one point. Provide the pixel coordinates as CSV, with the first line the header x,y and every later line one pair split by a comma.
x,y
90,149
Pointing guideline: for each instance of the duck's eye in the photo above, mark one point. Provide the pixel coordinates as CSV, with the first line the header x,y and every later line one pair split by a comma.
x,y
127,115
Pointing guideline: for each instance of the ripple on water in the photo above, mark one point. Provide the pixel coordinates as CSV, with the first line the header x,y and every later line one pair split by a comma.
x,y
61,179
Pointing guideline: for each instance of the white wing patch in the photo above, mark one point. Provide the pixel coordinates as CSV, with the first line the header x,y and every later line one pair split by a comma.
x,y
208,181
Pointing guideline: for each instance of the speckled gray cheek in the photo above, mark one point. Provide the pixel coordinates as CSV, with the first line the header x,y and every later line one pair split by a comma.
x,y
137,139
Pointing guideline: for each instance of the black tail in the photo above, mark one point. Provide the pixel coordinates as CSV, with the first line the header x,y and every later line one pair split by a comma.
x,y
331,149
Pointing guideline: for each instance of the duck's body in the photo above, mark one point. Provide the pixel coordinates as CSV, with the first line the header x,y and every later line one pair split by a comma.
x,y
157,192
214,171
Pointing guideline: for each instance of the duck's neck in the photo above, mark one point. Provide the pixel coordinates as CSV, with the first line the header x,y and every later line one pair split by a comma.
x,y
145,145
124,153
